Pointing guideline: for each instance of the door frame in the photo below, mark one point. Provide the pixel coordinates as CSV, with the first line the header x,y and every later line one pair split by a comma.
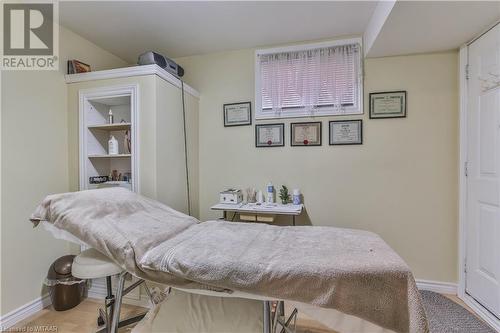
x,y
487,316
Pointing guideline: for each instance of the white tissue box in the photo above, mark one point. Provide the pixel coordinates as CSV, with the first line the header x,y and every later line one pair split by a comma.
x,y
231,196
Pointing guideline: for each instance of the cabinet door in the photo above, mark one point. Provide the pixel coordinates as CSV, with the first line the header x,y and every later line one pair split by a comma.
x,y
171,181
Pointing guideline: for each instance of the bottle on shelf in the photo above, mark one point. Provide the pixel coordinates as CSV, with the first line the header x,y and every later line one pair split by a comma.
x,y
110,116
112,146
260,197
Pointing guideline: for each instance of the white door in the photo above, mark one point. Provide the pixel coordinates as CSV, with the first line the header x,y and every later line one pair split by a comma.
x,y
483,171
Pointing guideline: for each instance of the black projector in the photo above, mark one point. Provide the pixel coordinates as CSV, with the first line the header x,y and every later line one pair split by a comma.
x,y
150,58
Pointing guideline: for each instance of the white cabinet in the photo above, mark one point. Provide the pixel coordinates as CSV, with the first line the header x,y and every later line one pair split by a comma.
x,y
146,101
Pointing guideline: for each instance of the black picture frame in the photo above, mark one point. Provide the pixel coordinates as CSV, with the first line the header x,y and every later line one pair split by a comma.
x,y
269,145
333,122
245,123
404,106
306,144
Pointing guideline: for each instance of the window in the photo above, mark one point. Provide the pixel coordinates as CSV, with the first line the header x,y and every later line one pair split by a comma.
x,y
309,80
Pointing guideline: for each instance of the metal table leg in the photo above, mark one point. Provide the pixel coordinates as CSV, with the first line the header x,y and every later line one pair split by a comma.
x,y
267,317
118,302
293,220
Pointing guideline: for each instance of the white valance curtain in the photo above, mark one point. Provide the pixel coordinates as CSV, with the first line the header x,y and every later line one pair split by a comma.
x,y
310,79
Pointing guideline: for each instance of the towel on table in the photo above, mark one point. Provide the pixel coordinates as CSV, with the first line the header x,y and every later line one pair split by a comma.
x,y
352,271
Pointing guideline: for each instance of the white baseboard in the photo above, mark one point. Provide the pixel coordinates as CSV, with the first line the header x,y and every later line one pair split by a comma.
x,y
437,286
23,312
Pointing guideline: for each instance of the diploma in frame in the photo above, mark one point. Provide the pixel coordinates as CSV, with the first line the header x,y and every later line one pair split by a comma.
x,y
388,105
346,132
270,135
237,114
305,134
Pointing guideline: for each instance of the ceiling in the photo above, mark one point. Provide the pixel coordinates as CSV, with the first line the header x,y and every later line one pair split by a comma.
x,y
431,26
176,29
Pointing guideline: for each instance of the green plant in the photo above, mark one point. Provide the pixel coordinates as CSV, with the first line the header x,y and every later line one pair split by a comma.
x,y
284,195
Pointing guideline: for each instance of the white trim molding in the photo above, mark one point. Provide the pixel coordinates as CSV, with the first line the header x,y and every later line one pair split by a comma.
x,y
23,312
449,288
131,71
462,179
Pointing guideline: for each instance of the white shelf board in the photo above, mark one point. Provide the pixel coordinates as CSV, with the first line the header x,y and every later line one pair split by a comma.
x,y
110,156
111,184
130,71
111,127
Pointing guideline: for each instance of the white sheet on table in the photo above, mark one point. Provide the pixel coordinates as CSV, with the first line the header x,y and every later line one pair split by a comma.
x,y
185,312
208,311
338,321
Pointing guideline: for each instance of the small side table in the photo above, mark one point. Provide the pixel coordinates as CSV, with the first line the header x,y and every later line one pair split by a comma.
x,y
262,209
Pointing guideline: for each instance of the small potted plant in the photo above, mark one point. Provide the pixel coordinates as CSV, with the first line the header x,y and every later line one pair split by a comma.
x,y
284,195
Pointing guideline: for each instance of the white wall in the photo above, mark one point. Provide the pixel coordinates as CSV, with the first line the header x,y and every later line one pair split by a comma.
x,y
34,143
401,183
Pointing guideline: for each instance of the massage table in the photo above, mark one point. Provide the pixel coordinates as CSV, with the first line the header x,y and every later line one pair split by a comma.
x,y
350,271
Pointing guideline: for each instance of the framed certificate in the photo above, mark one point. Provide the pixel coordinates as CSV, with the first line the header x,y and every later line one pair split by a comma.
x,y
305,134
388,105
346,132
270,135
237,114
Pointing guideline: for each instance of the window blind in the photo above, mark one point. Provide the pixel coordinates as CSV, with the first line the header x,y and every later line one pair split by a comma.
x,y
310,79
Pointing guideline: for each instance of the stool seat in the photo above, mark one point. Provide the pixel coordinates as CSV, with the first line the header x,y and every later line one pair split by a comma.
x,y
92,264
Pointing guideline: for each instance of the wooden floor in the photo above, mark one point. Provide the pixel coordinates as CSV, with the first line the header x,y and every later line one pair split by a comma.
x,y
82,319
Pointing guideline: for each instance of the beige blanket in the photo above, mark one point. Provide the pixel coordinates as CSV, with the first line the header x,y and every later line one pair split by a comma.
x,y
352,271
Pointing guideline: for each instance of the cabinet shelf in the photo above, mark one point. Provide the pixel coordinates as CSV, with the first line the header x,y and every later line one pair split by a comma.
x,y
110,156
111,127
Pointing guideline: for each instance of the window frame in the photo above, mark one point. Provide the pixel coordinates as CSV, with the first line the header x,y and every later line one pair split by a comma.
x,y
260,114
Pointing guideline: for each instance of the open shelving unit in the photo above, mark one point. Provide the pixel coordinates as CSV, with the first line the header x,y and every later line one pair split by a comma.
x,y
95,131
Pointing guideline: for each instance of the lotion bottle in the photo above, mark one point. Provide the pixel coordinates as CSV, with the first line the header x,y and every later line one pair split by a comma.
x,y
270,193
112,146
296,196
